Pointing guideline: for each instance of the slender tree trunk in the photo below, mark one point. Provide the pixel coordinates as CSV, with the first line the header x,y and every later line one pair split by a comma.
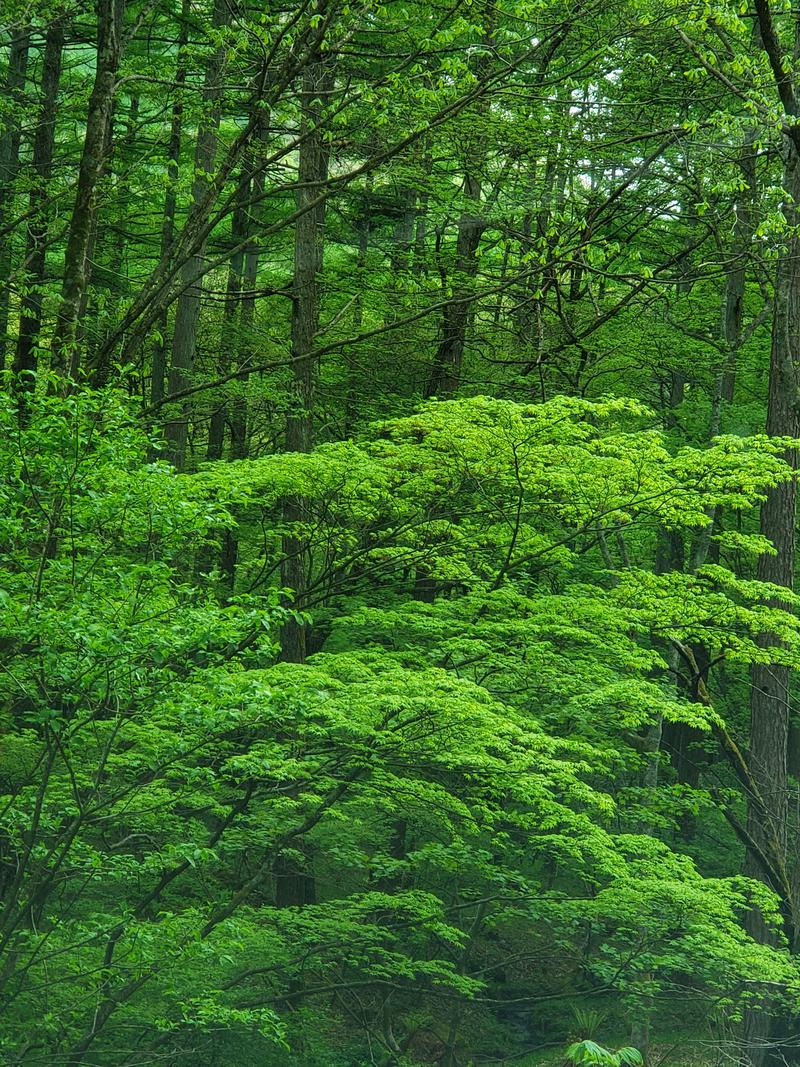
x,y
243,337
64,351
770,682
733,307
308,253
159,368
445,374
363,225
295,882
245,342
227,341
9,167
31,304
187,315
731,320
403,237
421,221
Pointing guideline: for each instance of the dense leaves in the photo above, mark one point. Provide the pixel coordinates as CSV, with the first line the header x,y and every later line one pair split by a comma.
x,y
397,533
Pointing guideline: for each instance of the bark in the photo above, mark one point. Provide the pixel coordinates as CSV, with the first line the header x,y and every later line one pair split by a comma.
x,y
363,228
770,706
238,421
9,167
731,322
733,307
445,374
170,203
403,237
31,303
65,355
767,821
421,222
216,426
237,415
308,253
295,882
187,315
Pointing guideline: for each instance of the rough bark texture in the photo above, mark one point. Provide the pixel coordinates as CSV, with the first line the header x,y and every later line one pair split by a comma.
x,y
30,319
769,732
770,706
63,348
308,252
9,167
187,315
445,374
733,307
159,370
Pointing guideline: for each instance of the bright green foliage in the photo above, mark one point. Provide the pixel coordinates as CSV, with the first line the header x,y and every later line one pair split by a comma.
x,y
589,1052
446,772
430,744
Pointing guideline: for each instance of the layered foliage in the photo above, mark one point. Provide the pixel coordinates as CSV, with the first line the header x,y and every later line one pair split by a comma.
x,y
445,776
398,625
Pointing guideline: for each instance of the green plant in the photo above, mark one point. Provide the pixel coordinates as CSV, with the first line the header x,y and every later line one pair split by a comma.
x,y
587,1052
587,1020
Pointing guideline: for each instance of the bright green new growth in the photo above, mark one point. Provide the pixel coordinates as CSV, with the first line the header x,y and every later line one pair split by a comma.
x,y
398,622
447,770
589,1052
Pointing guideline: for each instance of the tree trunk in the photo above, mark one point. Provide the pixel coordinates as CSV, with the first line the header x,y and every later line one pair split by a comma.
x,y
9,167
237,412
733,307
421,220
403,237
65,356
159,368
31,304
731,322
445,375
308,253
227,341
769,706
187,315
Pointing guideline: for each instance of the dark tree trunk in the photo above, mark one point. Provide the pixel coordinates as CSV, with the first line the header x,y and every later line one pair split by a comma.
x,y
308,253
403,232
65,356
421,220
445,374
768,815
733,308
159,368
31,304
227,341
363,226
295,882
9,168
187,315
243,339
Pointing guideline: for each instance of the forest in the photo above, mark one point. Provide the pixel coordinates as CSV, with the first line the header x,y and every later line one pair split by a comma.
x,y
399,428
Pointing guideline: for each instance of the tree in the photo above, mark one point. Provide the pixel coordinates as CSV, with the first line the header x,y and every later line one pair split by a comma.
x,y
393,552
